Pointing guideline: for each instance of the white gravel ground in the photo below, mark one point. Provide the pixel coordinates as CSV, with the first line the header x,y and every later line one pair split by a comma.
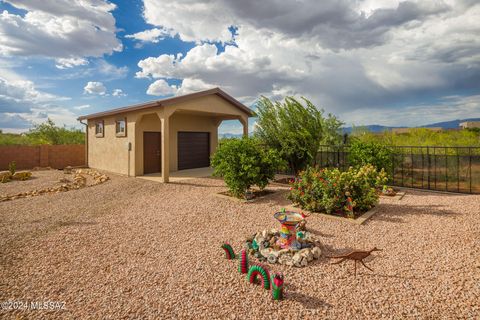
x,y
131,248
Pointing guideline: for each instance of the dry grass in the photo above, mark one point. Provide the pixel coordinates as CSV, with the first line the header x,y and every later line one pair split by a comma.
x,y
132,248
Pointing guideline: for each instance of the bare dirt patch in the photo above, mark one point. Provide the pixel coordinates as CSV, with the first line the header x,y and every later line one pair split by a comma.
x,y
132,248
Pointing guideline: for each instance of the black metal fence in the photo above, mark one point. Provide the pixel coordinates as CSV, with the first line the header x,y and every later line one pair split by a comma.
x,y
453,169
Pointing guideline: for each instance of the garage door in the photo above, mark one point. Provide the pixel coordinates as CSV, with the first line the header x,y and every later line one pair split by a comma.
x,y
193,150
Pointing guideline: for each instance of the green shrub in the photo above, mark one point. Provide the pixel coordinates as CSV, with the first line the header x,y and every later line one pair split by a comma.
x,y
12,167
328,190
362,153
295,130
243,163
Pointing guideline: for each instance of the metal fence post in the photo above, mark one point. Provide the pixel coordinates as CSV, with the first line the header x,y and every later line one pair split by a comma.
x,y
429,164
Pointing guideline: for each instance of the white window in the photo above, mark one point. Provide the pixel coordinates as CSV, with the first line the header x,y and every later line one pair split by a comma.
x,y
121,127
99,129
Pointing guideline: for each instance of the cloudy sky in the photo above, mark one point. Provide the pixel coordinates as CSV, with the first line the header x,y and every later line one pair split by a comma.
x,y
367,61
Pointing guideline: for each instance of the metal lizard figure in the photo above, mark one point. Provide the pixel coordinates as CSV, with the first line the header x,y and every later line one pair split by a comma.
x,y
356,256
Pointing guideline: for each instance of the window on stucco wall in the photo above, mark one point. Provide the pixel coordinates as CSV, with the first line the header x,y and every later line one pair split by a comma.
x,y
121,127
99,129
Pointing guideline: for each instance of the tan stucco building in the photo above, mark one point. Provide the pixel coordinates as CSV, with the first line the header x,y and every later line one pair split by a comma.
x,y
161,136
470,124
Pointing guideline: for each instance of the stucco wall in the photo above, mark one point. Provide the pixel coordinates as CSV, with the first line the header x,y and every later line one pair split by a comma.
x,y
110,152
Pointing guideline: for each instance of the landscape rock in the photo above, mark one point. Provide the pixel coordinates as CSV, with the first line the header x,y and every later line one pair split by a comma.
x,y
79,181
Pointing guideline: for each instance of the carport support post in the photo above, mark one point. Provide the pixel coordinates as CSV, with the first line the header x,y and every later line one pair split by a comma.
x,y
165,119
244,122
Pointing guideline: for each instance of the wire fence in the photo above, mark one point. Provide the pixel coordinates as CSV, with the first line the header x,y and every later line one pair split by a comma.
x,y
453,169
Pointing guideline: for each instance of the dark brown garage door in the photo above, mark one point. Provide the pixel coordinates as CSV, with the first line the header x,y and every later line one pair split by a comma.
x,y
193,150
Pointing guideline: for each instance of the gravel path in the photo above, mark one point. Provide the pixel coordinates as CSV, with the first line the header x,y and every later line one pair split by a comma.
x,y
132,248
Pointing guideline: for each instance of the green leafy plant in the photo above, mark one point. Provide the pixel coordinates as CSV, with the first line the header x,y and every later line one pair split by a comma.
x,y
332,191
363,153
12,167
49,133
421,137
295,130
45,133
244,163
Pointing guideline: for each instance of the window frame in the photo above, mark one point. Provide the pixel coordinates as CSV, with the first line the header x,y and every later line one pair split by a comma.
x,y
117,126
100,134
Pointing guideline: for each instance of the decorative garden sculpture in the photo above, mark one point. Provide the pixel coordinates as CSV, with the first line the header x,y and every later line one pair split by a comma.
x,y
356,256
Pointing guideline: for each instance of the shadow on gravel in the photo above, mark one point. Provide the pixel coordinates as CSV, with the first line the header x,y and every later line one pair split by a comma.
x,y
307,301
319,233
434,193
199,185
392,276
398,212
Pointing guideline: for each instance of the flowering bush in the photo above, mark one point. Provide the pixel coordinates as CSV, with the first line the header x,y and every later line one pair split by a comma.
x,y
339,192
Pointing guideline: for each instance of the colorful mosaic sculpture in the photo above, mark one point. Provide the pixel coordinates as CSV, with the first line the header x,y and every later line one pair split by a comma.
x,y
262,272
229,253
243,262
288,231
277,286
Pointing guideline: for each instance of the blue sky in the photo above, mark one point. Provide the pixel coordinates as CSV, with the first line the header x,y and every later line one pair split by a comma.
x,y
368,62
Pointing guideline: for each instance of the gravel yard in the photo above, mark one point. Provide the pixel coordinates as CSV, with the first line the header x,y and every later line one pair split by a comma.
x,y
131,248
39,180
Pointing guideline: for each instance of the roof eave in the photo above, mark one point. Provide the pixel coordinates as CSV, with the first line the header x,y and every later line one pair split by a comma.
x,y
172,100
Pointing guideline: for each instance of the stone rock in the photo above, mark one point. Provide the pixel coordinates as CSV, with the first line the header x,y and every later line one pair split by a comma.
x,y
272,258
286,260
5,176
316,252
304,262
266,252
307,254
24,175
297,259
67,170
80,180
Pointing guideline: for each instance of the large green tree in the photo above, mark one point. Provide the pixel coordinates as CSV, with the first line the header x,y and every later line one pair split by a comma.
x,y
49,133
295,129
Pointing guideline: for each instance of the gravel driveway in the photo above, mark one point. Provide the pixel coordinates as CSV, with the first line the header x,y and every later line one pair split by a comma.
x,y
132,248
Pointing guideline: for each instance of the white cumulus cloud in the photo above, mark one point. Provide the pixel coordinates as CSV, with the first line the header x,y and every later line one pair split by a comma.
x,y
152,35
118,93
95,87
161,88
343,55
60,29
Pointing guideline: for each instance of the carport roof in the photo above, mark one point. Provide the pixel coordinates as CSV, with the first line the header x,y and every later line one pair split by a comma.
x,y
168,101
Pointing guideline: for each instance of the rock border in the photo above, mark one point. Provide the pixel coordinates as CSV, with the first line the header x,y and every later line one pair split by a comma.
x,y
79,181
263,246
360,220
398,196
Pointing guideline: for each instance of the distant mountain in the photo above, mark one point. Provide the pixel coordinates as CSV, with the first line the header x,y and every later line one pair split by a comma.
x,y
371,128
450,124
453,124
229,135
